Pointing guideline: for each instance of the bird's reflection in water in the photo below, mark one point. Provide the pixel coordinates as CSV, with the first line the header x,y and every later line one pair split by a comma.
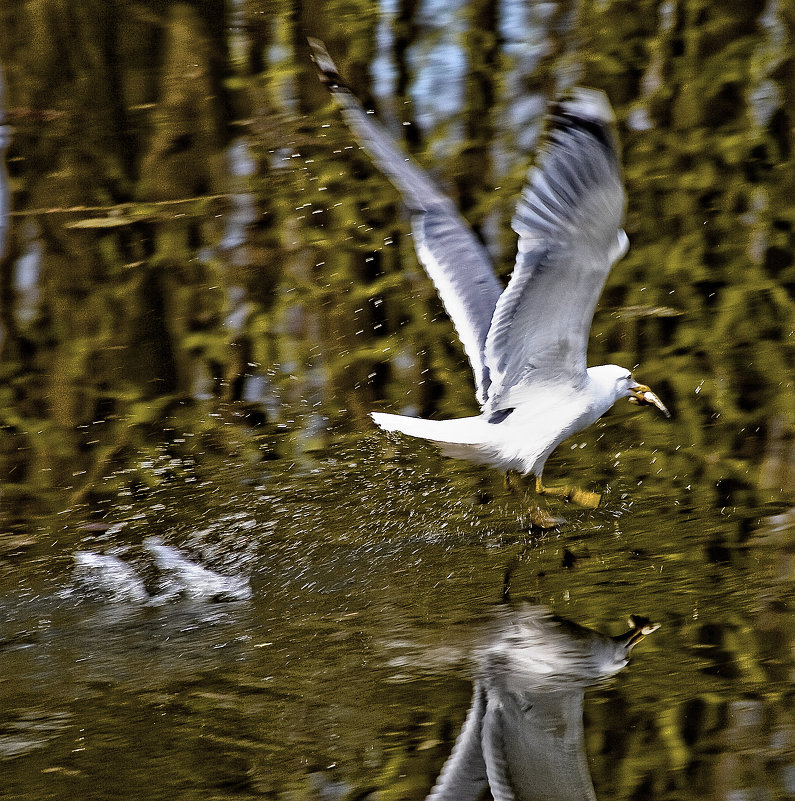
x,y
523,735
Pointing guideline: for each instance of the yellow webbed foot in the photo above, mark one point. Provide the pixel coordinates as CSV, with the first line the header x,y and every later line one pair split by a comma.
x,y
582,497
538,516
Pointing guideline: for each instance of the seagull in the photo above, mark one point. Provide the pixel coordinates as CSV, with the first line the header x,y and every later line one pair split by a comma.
x,y
526,342
523,736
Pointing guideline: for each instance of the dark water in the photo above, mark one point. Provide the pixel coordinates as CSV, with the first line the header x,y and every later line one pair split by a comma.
x,y
372,573
207,288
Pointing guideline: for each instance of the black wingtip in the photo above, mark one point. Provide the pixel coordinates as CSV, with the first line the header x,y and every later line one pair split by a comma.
x,y
588,110
327,70
588,104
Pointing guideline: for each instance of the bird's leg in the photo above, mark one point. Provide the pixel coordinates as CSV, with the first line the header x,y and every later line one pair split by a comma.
x,y
539,517
582,497
513,483
510,570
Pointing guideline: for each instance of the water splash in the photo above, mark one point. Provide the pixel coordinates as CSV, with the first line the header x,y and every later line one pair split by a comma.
x,y
186,579
109,577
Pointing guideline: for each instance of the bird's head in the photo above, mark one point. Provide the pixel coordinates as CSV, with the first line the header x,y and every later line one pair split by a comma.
x,y
639,629
625,386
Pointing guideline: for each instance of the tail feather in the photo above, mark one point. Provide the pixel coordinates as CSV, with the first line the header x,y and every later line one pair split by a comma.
x,y
463,431
473,439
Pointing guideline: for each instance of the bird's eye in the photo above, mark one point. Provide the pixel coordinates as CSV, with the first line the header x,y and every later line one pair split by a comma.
x,y
628,377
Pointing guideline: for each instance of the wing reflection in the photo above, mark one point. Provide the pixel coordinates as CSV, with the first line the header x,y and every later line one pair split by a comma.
x,y
523,735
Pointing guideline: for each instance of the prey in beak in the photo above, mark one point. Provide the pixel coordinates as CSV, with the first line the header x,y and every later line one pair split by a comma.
x,y
639,627
643,396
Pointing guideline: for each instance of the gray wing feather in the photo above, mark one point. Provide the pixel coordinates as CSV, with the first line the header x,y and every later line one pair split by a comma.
x,y
569,224
544,748
463,777
451,254
494,738
462,274
534,745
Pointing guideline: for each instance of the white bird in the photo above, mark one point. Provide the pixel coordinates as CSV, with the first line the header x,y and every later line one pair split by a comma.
x,y
523,736
526,343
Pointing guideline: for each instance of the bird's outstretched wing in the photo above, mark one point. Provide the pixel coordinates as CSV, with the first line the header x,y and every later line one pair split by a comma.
x,y
452,255
463,777
569,224
534,746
